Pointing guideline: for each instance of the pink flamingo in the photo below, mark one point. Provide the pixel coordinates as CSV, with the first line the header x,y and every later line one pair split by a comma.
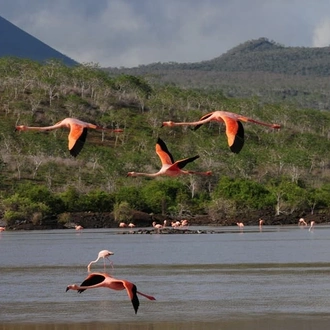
x,y
131,225
312,224
78,227
234,127
122,225
105,254
302,222
184,223
240,225
98,280
77,135
175,224
157,225
2,229
169,167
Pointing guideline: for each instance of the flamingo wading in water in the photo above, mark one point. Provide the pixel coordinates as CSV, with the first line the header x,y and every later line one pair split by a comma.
x,y
77,135
98,280
169,166
234,127
105,254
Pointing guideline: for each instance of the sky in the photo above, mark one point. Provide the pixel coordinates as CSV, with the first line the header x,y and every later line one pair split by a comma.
x,y
129,33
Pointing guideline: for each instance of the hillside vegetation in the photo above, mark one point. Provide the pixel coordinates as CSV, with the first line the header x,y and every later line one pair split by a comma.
x,y
299,75
278,174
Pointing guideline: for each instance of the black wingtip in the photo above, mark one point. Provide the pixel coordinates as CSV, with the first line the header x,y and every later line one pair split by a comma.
x,y
238,144
135,300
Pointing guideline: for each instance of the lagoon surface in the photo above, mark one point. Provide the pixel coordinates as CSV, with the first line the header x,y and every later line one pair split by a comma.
x,y
277,278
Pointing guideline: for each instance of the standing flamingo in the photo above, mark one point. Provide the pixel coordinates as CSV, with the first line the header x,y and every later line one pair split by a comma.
x,y
78,227
169,167
157,225
77,135
302,222
234,127
2,229
312,224
240,225
122,225
105,254
98,280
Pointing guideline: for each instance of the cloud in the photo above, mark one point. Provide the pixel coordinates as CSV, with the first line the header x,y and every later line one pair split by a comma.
x,y
321,36
130,32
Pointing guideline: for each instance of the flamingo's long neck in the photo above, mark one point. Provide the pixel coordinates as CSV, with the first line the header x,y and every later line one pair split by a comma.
x,y
186,123
45,128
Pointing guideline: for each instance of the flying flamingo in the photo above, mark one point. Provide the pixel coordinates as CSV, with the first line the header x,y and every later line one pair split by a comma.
x,y
105,254
77,135
234,127
169,167
98,280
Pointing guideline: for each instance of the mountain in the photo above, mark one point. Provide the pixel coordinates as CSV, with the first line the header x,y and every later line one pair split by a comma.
x,y
17,43
260,67
260,55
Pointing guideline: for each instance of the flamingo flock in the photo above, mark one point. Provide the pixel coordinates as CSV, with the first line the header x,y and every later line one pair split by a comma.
x,y
169,167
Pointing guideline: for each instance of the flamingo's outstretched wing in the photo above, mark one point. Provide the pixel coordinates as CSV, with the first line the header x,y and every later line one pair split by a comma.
x,y
163,153
183,162
77,139
132,293
92,279
202,118
235,134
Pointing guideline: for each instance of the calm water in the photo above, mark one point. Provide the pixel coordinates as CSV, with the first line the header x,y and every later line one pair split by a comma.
x,y
274,279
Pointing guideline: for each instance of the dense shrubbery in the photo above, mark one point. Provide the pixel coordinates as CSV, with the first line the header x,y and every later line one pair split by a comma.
x,y
285,171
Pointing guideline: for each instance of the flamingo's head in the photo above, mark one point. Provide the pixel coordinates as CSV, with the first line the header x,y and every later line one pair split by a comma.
x,y
71,287
21,128
131,174
168,123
